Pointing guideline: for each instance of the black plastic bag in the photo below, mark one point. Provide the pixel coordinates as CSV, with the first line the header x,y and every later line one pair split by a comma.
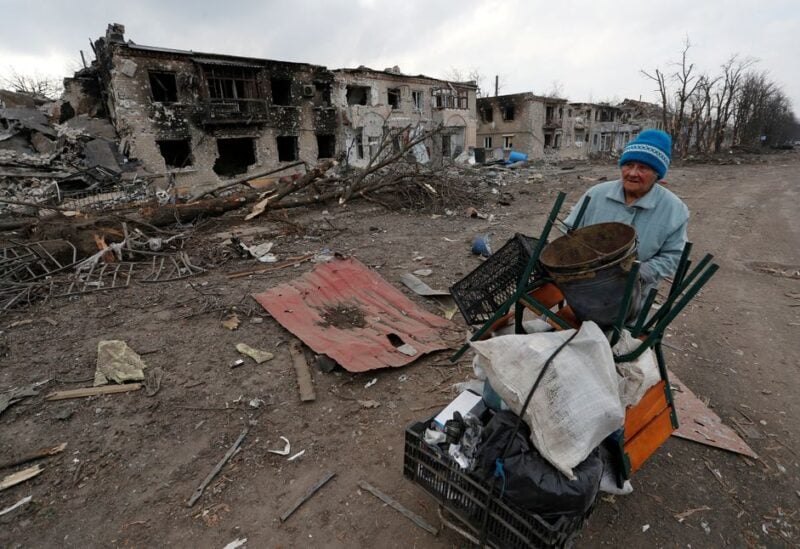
x,y
531,482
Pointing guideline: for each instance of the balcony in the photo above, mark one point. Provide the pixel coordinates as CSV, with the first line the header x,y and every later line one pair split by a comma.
x,y
234,111
552,122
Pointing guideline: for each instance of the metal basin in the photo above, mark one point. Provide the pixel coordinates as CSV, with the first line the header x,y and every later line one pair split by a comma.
x,y
589,247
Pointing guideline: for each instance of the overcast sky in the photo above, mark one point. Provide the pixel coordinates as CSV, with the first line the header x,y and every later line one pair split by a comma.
x,y
593,49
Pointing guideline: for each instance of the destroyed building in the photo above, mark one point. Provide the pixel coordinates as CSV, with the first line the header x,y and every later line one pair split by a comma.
x,y
551,128
375,102
524,122
601,128
201,117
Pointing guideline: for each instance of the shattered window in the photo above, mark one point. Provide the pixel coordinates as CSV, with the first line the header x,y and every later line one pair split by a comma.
x,y
235,155
326,146
163,87
281,91
487,142
177,153
393,96
444,99
287,148
487,114
226,83
416,98
450,98
373,143
322,94
508,112
508,141
357,95
359,144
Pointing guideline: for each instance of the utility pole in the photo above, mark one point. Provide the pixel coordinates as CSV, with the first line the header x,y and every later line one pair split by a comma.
x,y
496,84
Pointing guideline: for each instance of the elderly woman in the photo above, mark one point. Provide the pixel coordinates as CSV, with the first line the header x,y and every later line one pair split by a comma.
x,y
660,217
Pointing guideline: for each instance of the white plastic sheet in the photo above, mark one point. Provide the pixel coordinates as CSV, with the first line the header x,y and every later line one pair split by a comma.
x,y
577,403
637,376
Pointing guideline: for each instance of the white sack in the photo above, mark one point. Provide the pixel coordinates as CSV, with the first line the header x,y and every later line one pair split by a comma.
x,y
635,377
577,402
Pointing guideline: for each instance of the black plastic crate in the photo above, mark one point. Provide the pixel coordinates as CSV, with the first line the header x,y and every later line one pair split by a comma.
x,y
481,293
469,501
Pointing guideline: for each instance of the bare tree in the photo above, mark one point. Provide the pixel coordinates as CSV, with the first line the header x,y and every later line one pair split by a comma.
x,y
733,70
471,75
660,79
556,90
34,84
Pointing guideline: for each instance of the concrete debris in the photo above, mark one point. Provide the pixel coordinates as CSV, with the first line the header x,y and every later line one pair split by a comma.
x,y
118,363
256,354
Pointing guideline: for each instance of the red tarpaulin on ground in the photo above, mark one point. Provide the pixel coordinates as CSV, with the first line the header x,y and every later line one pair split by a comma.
x,y
346,311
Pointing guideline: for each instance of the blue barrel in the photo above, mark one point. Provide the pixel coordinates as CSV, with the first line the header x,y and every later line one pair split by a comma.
x,y
515,156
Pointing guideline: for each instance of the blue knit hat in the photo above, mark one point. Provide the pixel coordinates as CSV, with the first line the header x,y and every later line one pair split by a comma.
x,y
653,148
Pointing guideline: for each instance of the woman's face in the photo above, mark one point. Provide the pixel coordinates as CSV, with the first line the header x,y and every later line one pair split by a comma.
x,y
637,179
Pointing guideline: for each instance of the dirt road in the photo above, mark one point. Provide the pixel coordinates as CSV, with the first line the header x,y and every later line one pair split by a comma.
x,y
133,461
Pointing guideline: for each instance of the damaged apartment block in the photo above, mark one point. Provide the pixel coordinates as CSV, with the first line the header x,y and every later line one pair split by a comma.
x,y
376,104
199,118
552,128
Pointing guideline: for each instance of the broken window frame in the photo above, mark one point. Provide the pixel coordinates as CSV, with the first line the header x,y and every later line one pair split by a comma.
x,y
326,143
170,92
507,112
451,98
394,98
168,155
221,154
295,146
358,142
373,146
281,91
418,99
351,91
322,94
234,90
487,114
508,141
487,142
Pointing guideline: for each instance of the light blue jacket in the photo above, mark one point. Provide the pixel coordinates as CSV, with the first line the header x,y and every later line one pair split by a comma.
x,y
660,219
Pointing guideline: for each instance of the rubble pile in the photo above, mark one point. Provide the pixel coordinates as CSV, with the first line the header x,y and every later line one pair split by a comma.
x,y
48,156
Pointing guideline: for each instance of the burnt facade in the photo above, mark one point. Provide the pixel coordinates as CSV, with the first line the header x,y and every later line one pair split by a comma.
x,y
206,117
522,122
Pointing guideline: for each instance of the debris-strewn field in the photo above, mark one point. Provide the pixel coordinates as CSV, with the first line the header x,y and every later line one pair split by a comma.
x,y
134,460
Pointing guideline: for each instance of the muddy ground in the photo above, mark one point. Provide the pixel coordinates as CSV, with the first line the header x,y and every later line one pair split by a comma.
x,y
133,461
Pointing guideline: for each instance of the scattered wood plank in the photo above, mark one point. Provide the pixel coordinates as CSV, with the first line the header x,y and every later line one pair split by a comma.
x,y
20,503
19,477
303,373
93,391
288,263
394,504
44,452
305,497
217,468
